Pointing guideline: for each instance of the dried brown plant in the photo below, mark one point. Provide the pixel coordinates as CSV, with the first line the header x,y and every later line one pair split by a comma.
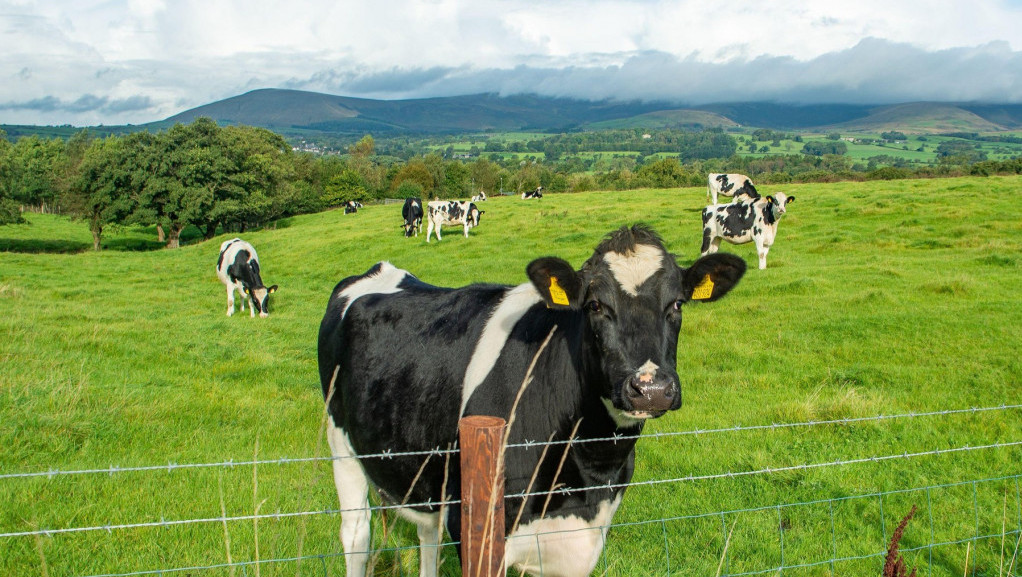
x,y
894,564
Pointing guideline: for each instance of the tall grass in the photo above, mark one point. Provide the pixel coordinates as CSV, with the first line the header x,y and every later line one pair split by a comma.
x,y
880,298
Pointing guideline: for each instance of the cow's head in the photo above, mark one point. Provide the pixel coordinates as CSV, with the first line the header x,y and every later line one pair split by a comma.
x,y
260,297
778,204
473,215
630,292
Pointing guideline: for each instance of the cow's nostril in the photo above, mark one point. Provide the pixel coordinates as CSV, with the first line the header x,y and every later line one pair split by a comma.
x,y
635,389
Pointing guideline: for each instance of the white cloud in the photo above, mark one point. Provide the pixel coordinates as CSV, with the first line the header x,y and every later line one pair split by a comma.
x,y
142,60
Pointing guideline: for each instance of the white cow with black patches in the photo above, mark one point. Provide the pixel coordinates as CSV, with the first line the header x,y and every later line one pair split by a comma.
x,y
745,221
441,212
402,361
735,185
237,267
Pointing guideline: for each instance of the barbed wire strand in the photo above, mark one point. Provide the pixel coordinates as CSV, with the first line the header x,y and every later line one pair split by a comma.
x,y
830,561
113,469
609,486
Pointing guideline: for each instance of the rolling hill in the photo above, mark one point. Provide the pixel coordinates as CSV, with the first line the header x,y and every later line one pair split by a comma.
x,y
295,113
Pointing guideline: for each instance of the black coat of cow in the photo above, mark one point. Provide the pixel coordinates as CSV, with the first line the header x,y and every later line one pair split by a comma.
x,y
401,361
412,213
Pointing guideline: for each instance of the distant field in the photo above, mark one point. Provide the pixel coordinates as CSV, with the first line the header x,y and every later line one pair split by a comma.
x,y
881,298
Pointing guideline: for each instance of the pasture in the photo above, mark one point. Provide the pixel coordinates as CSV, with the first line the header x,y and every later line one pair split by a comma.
x,y
880,299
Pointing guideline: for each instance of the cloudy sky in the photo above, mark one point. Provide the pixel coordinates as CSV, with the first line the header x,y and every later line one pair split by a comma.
x,y
86,62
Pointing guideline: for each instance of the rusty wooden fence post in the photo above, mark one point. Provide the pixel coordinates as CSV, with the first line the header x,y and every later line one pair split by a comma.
x,y
482,496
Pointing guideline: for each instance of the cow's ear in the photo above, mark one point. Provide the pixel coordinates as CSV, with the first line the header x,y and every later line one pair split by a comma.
x,y
246,290
272,289
711,277
770,199
558,283
790,198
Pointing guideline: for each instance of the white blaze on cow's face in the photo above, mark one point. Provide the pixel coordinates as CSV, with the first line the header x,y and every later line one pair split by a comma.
x,y
631,269
780,203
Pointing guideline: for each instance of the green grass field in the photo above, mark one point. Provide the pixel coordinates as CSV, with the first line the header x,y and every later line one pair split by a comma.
x,y
881,298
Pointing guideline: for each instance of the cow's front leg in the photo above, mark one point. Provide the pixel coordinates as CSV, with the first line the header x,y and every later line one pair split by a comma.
x,y
230,300
761,250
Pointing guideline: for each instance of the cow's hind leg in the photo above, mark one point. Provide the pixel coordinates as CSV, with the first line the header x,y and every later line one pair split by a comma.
x,y
353,493
429,531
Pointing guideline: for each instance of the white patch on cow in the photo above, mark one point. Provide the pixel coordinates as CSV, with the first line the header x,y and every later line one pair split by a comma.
x,y
385,281
624,419
565,546
498,328
631,269
353,494
647,369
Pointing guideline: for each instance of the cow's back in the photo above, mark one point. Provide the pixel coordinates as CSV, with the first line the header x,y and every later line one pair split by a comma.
x,y
400,357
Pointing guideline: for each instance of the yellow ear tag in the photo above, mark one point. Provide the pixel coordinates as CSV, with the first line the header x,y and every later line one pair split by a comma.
x,y
557,294
703,290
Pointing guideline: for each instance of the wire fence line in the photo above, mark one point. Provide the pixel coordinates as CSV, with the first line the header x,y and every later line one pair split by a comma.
x,y
558,491
832,561
724,515
115,469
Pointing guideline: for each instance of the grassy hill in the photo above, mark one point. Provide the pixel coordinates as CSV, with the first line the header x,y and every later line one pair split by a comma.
x,y
881,298
921,118
682,118
296,113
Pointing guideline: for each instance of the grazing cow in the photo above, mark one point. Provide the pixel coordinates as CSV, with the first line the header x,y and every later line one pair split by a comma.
x,y
537,193
411,212
238,268
734,185
609,365
352,206
479,197
443,212
743,221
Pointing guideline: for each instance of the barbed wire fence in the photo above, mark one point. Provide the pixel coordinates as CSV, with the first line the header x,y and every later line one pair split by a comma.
x,y
711,533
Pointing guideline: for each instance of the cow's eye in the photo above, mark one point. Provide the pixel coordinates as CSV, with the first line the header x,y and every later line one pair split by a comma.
x,y
594,306
677,305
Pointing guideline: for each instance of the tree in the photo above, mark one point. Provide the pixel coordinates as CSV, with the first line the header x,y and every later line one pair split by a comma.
x,y
34,176
10,212
101,192
416,171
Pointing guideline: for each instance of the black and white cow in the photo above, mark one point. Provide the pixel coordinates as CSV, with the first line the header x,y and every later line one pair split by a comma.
x,y
412,213
743,221
238,268
401,361
443,212
734,185
352,206
537,193
479,197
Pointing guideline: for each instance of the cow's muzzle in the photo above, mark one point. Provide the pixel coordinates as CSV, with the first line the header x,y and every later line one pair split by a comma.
x,y
648,398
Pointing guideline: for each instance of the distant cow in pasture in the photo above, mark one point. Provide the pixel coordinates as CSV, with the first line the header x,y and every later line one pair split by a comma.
x,y
412,213
443,212
536,193
743,221
604,341
238,268
352,206
479,197
733,185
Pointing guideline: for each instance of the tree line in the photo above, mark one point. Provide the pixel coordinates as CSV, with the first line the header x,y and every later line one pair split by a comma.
x,y
231,178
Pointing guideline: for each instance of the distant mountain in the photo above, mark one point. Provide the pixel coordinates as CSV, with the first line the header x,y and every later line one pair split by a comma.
x,y
929,118
295,113
294,110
